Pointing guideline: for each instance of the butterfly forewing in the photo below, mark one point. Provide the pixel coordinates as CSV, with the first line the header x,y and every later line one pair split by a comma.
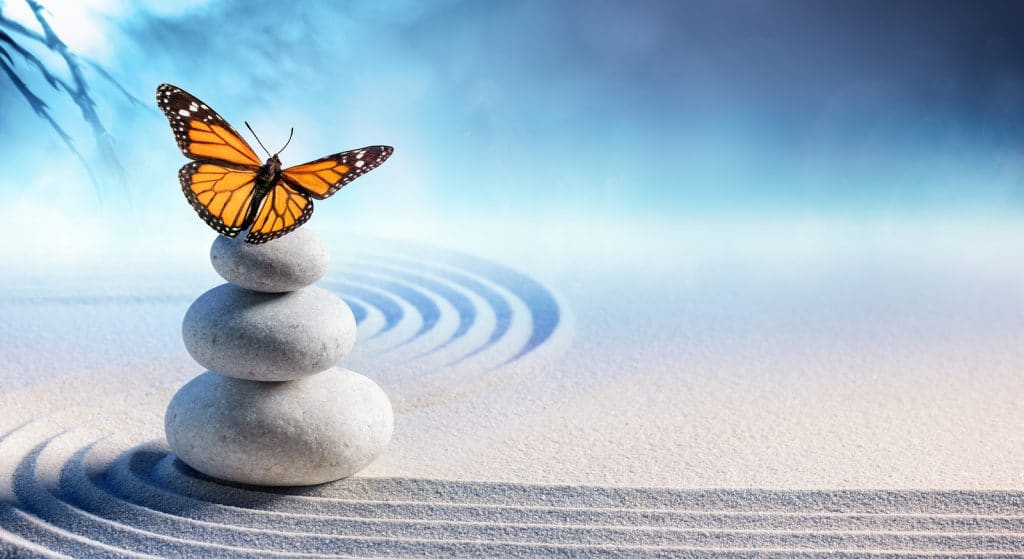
x,y
282,210
222,196
325,176
201,133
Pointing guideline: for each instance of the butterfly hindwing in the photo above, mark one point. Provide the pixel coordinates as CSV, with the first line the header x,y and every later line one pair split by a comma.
x,y
283,209
325,176
201,133
222,196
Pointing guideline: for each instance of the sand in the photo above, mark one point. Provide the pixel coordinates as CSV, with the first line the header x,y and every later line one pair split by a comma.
x,y
702,390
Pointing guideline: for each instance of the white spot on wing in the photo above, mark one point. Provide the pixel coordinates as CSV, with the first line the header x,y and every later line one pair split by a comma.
x,y
183,112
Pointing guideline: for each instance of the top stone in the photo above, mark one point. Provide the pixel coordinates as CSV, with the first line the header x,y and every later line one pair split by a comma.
x,y
285,264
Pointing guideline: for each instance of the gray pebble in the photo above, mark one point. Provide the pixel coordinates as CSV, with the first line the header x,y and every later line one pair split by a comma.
x,y
291,262
268,336
314,430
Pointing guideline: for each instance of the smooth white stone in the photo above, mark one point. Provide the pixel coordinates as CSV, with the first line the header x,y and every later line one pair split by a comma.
x,y
268,336
285,264
303,432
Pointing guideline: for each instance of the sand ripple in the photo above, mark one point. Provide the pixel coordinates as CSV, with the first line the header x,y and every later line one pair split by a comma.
x,y
99,498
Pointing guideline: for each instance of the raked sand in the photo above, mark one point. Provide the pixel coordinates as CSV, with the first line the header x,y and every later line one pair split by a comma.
x,y
714,389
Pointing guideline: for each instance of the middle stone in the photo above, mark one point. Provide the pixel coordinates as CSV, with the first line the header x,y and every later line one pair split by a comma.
x,y
268,336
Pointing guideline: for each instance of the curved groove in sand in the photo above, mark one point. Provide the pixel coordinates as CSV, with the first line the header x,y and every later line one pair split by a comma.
x,y
428,311
452,289
381,301
461,283
143,501
544,309
541,533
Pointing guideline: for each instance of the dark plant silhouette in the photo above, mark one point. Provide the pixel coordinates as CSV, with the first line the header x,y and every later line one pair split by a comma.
x,y
13,39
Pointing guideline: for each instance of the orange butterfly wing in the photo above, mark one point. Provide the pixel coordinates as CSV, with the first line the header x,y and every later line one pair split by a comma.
x,y
201,133
325,176
283,209
222,196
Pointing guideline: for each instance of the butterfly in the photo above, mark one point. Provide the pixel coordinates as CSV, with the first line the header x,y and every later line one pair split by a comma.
x,y
233,191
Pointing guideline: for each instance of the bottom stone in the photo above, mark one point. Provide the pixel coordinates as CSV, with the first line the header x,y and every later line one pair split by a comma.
x,y
302,432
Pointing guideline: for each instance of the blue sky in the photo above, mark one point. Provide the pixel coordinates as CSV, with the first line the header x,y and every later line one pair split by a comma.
x,y
549,109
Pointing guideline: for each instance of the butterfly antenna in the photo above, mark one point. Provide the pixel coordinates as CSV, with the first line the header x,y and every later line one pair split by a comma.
x,y
257,138
290,134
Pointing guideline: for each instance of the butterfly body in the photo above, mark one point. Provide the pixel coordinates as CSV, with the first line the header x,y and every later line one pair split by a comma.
x,y
233,192
266,177
268,174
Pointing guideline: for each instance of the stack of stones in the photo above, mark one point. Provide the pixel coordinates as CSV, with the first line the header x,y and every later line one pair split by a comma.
x,y
273,409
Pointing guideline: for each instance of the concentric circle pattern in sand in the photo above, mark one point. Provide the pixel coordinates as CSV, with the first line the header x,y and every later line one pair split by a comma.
x,y
440,325
109,499
433,324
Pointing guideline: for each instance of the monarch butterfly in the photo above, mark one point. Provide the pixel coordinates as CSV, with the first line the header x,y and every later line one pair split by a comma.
x,y
229,187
